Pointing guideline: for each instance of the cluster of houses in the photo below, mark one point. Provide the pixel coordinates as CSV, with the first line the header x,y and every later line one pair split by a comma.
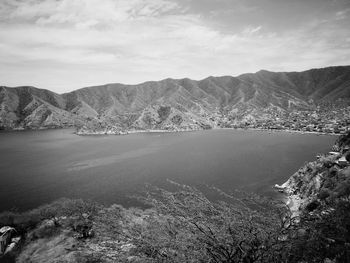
x,y
9,239
334,120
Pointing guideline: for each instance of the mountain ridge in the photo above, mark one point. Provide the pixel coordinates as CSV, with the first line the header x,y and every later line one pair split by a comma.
x,y
172,104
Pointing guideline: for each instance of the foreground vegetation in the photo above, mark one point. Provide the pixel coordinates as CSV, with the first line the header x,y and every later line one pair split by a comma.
x,y
185,226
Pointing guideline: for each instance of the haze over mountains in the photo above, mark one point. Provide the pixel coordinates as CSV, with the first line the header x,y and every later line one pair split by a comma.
x,y
173,104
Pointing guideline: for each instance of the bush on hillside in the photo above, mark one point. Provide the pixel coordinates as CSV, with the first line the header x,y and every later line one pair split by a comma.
x,y
164,112
188,227
327,234
324,193
23,222
177,119
343,141
347,156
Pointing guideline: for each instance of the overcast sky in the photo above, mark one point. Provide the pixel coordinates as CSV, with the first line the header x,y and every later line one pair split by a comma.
x,y
63,45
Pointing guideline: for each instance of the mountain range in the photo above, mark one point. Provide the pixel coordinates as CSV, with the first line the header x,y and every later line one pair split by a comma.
x,y
172,104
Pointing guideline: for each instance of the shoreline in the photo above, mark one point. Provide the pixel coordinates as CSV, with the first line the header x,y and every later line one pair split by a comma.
x,y
132,132
285,130
193,130
292,201
126,132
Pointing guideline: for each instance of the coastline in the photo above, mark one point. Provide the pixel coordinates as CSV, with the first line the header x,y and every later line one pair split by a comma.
x,y
126,132
304,186
285,130
292,201
115,131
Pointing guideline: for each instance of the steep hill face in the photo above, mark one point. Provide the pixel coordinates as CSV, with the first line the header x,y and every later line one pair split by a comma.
x,y
172,103
29,107
316,84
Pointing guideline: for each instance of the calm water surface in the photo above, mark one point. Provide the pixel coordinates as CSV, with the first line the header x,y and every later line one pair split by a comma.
x,y
37,167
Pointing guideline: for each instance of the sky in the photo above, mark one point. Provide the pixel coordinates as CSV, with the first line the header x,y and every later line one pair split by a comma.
x,y
62,45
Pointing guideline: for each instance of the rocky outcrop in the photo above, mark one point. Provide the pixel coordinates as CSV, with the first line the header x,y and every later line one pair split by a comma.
x,y
326,177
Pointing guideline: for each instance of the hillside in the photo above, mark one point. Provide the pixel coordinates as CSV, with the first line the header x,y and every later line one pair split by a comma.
x,y
321,181
318,195
175,104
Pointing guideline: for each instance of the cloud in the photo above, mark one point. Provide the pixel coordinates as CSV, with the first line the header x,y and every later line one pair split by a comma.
x,y
252,30
76,12
342,14
73,32
69,44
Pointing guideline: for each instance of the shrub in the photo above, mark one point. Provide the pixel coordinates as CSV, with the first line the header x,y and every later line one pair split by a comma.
x,y
327,161
343,188
327,235
23,222
347,156
164,112
333,172
187,227
45,230
177,119
344,140
323,194
312,205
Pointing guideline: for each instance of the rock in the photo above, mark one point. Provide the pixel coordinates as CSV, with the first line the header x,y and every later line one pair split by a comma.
x,y
10,247
127,247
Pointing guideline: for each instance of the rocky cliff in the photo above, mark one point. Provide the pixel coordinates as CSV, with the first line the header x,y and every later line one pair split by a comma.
x,y
319,198
320,182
